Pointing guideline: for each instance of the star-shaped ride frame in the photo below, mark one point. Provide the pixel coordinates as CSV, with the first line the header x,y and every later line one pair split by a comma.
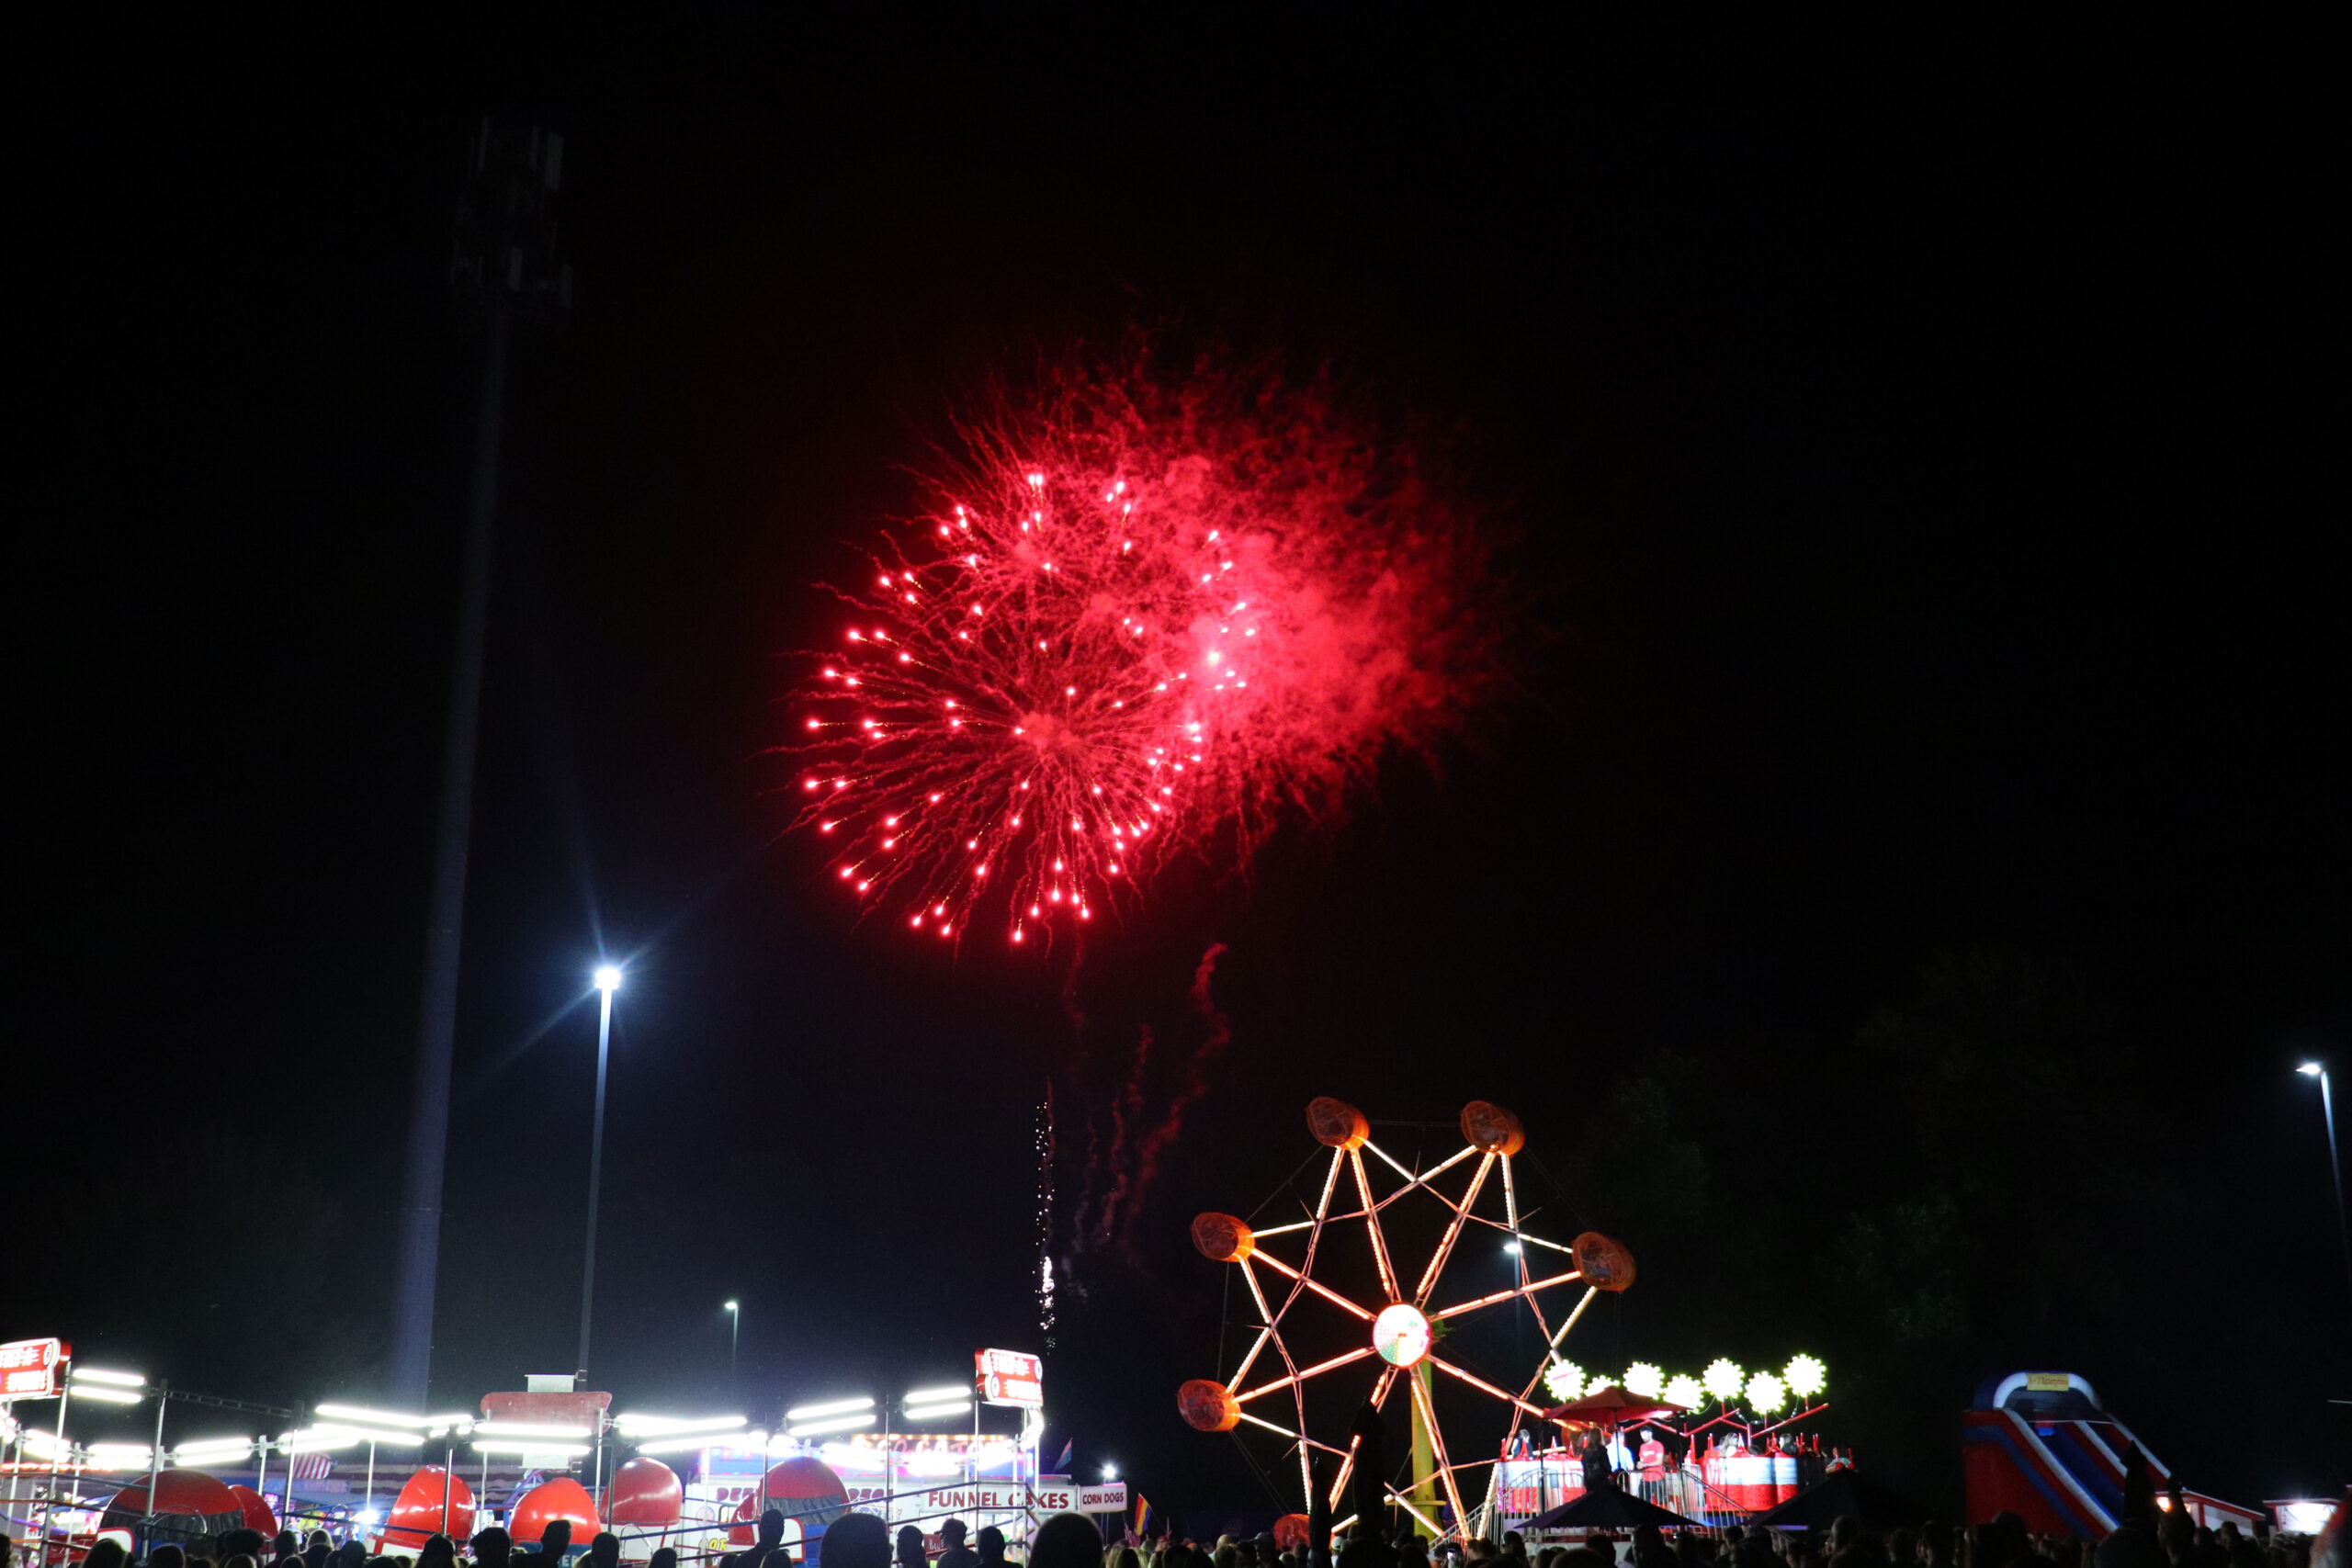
x,y
1399,1329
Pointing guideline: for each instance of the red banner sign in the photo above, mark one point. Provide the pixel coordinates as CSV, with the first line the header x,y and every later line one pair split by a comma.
x,y
1008,1377
29,1368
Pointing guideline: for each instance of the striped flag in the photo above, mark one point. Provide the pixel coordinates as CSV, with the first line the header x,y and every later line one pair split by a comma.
x,y
1143,1518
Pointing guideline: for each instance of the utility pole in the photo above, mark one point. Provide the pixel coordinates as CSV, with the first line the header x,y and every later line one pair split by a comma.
x,y
504,269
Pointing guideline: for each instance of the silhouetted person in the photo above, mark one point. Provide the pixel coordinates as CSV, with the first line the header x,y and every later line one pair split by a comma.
x,y
241,1560
858,1541
554,1541
953,1550
1066,1541
317,1550
605,1551
106,1554
991,1541
168,1556
955,1554
910,1553
2132,1543
242,1541
663,1557
771,1541
492,1548
287,1545
1593,1459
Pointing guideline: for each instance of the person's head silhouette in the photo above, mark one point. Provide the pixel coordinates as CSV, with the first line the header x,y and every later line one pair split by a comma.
x,y
492,1548
855,1541
772,1528
1066,1541
605,1551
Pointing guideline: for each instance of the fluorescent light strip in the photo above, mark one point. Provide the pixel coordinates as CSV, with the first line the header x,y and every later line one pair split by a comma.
x,y
837,1423
379,1418
120,1456
830,1407
528,1429
673,1426
517,1446
680,1444
381,1436
934,1395
318,1440
104,1394
932,1412
98,1374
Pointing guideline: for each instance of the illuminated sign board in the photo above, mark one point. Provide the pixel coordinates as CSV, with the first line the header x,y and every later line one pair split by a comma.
x,y
1110,1497
1008,1377
29,1368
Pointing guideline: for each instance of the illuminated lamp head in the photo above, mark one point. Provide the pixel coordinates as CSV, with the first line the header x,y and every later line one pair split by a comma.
x,y
1805,1376
1490,1129
1207,1406
1723,1378
1221,1238
1682,1389
1565,1380
1337,1124
1646,1380
1605,1264
1401,1334
1765,1393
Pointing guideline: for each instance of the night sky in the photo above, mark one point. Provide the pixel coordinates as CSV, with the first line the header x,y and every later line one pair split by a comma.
x,y
1907,448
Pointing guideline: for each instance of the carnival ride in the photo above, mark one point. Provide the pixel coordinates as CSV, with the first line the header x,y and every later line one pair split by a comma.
x,y
1402,1327
2042,1446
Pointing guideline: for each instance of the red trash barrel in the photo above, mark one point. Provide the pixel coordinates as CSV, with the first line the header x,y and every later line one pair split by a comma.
x,y
1784,1474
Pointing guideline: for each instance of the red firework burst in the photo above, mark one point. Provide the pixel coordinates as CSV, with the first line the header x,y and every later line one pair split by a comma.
x,y
1128,622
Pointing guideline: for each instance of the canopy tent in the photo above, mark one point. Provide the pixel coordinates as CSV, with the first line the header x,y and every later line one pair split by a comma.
x,y
1608,1508
1840,1494
1611,1405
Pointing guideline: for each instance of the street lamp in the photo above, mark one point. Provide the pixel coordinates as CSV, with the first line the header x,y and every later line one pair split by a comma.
x,y
609,980
2334,1167
734,1335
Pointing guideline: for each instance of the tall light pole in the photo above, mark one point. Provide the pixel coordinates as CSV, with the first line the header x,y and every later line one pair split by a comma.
x,y
2335,1166
734,1335
609,980
505,270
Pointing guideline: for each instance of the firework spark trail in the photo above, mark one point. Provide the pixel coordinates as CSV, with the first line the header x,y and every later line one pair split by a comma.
x,y
1134,619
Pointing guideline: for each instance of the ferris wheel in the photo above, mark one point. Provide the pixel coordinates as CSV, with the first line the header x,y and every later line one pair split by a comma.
x,y
1391,1329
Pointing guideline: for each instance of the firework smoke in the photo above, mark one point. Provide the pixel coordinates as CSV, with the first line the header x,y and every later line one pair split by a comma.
x,y
1141,614
1139,1140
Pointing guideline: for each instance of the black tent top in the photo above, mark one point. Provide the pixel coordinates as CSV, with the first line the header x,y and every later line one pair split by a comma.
x,y
1841,1492
1608,1508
